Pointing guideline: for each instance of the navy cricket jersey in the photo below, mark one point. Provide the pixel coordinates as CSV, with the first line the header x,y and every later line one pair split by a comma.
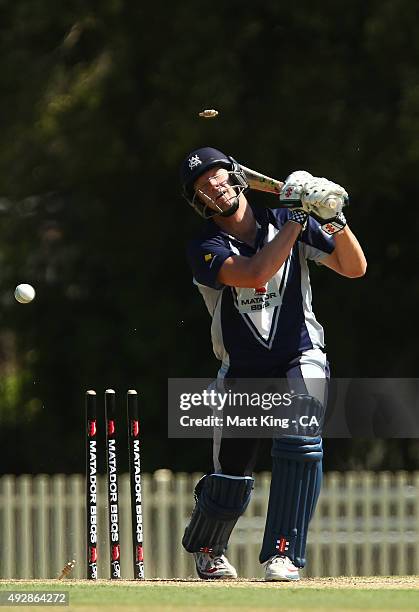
x,y
267,325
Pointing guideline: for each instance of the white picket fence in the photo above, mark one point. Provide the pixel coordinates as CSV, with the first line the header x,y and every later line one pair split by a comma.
x,y
365,524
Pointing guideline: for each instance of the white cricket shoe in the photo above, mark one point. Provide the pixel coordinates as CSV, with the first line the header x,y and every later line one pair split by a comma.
x,y
279,567
211,567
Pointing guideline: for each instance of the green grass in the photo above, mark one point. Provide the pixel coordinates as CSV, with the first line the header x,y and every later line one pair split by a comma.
x,y
247,596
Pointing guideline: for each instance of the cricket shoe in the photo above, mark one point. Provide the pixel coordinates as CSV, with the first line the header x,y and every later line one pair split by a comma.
x,y
212,567
282,568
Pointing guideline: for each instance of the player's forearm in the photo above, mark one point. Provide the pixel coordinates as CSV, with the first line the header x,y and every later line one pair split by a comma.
x,y
272,256
349,254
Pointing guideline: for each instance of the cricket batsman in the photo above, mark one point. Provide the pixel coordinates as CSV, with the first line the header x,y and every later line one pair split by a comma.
x,y
242,251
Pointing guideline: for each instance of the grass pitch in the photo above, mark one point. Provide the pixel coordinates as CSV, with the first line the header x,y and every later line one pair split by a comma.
x,y
349,594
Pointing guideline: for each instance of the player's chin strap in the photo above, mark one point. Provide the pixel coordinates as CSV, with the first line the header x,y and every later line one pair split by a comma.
x,y
234,204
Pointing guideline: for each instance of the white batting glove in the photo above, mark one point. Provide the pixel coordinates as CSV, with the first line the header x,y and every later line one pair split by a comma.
x,y
317,196
293,188
323,197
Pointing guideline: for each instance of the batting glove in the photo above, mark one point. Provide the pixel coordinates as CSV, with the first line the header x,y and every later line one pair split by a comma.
x,y
323,197
292,190
333,225
299,216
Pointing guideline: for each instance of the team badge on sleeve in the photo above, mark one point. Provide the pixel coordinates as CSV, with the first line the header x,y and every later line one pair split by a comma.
x,y
208,257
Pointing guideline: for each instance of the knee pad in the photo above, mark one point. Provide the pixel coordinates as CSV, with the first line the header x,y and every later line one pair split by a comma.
x,y
220,501
311,415
298,448
295,487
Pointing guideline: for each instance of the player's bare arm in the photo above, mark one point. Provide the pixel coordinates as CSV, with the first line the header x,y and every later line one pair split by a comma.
x,y
256,271
348,258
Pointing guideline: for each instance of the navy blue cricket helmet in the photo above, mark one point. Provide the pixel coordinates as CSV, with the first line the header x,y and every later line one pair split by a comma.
x,y
197,163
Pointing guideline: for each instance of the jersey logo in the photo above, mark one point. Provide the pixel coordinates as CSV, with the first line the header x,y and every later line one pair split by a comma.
x,y
194,161
260,300
208,257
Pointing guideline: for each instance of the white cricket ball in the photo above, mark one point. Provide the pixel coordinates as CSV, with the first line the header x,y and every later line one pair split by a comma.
x,y
24,293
